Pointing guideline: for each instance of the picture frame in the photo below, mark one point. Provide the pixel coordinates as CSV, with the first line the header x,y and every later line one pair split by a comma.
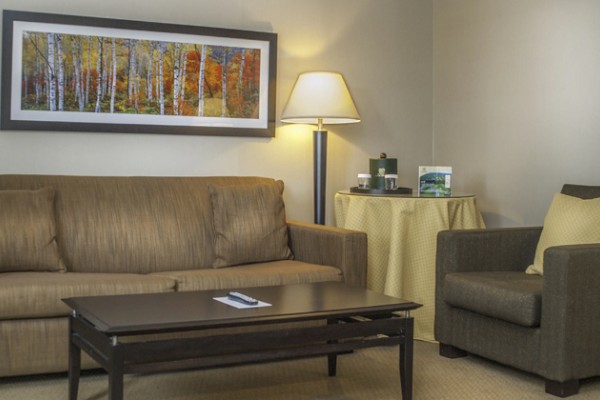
x,y
113,75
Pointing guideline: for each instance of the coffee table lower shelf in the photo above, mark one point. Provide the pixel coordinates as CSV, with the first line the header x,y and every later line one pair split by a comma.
x,y
339,335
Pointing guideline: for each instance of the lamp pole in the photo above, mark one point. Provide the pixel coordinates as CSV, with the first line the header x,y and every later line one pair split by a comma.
x,y
320,171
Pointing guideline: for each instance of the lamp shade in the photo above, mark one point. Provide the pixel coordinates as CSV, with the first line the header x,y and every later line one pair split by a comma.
x,y
320,96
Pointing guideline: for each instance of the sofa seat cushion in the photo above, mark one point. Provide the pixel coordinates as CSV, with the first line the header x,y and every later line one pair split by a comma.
x,y
39,294
283,272
515,297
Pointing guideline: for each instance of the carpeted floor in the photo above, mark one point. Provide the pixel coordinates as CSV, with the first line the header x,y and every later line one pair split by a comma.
x,y
370,374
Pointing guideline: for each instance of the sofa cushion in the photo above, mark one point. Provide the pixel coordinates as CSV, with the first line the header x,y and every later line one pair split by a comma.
x,y
570,220
39,294
250,224
137,224
28,231
284,272
515,297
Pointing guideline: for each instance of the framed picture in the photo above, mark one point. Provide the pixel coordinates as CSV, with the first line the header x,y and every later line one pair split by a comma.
x,y
72,73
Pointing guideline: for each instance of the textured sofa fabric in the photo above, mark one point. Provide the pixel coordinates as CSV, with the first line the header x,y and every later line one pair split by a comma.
x,y
39,294
487,305
118,235
239,212
27,222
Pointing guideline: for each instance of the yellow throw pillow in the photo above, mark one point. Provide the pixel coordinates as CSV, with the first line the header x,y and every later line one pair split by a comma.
x,y
570,220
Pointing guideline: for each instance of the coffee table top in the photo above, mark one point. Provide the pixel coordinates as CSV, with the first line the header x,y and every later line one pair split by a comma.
x,y
163,312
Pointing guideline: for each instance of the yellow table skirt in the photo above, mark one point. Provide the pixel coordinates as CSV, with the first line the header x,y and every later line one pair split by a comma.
x,y
402,234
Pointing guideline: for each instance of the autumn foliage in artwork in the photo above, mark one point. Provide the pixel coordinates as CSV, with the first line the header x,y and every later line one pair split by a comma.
x,y
63,72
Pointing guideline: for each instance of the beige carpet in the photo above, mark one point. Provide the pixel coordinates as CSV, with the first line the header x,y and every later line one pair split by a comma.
x,y
367,374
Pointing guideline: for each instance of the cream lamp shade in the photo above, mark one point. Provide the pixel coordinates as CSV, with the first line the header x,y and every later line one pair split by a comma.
x,y
320,98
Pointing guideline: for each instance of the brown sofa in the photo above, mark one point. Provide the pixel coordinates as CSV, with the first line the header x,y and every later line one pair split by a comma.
x,y
66,236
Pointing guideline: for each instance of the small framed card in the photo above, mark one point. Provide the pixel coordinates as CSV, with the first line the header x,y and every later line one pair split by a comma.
x,y
435,181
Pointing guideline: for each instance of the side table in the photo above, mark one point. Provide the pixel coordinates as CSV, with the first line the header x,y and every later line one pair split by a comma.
x,y
402,234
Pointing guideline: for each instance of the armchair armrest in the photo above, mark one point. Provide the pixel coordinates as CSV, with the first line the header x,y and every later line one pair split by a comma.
x,y
570,317
326,245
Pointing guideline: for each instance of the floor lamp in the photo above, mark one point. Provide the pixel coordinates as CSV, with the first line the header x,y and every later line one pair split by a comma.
x,y
320,98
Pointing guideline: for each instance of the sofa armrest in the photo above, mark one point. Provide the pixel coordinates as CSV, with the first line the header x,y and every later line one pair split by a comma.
x,y
570,304
326,245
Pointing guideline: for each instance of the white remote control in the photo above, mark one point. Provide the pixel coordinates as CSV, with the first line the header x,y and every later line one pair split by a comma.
x,y
242,298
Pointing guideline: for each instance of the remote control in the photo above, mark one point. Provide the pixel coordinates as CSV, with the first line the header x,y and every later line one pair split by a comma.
x,y
242,298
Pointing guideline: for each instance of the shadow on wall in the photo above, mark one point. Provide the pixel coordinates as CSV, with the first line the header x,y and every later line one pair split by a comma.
x,y
494,220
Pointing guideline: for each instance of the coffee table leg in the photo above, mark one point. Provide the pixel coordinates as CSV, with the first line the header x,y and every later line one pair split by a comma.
x,y
115,372
406,359
115,385
74,363
332,357
332,364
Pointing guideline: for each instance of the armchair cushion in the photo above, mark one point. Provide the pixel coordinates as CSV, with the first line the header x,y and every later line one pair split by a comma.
x,y
570,220
250,224
507,295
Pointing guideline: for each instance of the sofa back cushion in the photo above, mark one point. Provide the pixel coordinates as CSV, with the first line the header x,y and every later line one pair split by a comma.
x,y
132,224
250,224
28,231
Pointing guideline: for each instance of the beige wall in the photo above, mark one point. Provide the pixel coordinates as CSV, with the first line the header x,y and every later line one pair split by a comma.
x,y
517,100
505,91
382,47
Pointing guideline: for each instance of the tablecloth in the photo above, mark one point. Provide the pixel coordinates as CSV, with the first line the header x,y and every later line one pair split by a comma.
x,y
401,236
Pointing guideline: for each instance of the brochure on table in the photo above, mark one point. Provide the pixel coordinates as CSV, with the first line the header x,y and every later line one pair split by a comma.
x,y
435,181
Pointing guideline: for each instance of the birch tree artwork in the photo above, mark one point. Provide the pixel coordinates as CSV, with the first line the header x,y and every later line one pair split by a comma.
x,y
113,75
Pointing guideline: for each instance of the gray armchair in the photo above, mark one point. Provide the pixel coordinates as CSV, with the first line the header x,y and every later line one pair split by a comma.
x,y
486,304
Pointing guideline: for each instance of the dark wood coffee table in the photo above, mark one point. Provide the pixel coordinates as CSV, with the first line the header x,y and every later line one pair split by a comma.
x,y
356,318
